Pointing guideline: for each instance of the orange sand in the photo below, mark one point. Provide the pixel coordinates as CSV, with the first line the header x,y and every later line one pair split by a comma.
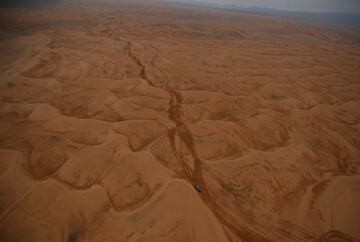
x,y
111,114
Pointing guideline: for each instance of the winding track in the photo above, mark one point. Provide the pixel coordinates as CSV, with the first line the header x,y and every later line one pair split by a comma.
x,y
195,175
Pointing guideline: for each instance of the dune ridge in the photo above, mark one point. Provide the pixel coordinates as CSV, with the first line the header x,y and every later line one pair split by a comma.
x,y
111,115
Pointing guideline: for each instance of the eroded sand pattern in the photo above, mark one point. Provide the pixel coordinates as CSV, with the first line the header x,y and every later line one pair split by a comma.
x,y
111,115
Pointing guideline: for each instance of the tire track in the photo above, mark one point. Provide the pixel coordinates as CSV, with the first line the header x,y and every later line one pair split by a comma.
x,y
337,236
195,175
128,50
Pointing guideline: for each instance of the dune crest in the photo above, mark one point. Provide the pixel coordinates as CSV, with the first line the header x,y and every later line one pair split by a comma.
x,y
157,122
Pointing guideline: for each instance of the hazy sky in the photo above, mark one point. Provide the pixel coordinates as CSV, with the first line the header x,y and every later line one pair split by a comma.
x,y
296,5
299,5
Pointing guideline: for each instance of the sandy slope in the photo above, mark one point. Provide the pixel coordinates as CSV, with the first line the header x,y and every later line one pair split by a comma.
x,y
111,114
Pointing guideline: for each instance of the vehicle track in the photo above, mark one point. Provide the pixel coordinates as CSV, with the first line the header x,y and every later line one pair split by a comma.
x,y
195,175
337,236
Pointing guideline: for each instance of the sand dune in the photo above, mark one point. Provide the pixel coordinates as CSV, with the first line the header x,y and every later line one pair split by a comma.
x,y
111,114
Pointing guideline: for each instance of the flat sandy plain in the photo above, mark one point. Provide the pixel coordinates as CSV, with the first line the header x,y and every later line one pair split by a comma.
x,y
111,114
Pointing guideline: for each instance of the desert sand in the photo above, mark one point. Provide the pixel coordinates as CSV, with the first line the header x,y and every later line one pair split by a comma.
x,y
111,114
